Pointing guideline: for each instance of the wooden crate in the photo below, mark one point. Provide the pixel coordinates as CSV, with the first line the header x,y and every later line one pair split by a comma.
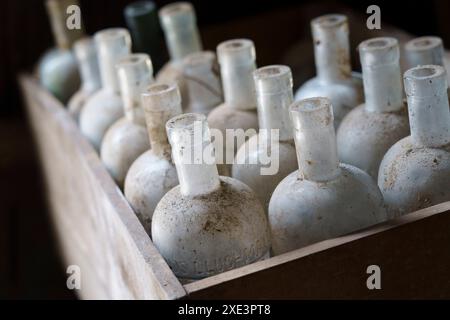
x,y
99,232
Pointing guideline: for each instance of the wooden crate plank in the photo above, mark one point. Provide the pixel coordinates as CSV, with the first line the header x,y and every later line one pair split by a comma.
x,y
98,230
412,252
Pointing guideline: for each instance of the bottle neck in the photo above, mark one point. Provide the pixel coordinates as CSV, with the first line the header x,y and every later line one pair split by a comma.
x,y
193,154
135,73
141,18
86,55
428,107
274,96
331,48
160,102
202,83
315,139
182,42
424,51
381,74
237,63
112,45
178,21
58,12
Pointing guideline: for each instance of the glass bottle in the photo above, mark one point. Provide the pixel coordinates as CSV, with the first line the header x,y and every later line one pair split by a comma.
x,y
179,24
323,199
127,138
415,172
208,224
57,69
86,55
367,132
202,82
237,63
334,79
274,95
153,173
141,18
105,107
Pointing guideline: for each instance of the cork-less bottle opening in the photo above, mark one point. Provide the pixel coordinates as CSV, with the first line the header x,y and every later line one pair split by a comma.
x,y
185,121
235,45
112,34
330,21
159,88
423,43
236,51
135,58
274,79
176,8
378,43
311,104
423,72
311,113
270,71
139,8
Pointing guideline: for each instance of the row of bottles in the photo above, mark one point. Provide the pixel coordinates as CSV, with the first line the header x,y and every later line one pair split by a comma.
x,y
386,157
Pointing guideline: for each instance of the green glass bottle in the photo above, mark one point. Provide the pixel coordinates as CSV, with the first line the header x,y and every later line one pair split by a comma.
x,y
142,20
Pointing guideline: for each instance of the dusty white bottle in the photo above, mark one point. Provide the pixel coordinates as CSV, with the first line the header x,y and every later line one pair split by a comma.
x,y
415,172
86,55
274,96
105,107
179,23
202,82
127,138
324,198
208,224
237,63
334,79
153,174
367,132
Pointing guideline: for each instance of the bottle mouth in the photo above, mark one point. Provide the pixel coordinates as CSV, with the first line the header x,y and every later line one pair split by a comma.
x,y
133,59
112,34
273,79
176,8
423,43
237,51
313,113
381,43
330,20
185,121
273,71
235,45
311,104
378,52
189,129
177,15
139,8
425,72
425,81
159,88
162,97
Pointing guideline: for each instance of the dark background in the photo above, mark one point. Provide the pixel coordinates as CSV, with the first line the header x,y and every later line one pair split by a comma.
x,y
29,262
